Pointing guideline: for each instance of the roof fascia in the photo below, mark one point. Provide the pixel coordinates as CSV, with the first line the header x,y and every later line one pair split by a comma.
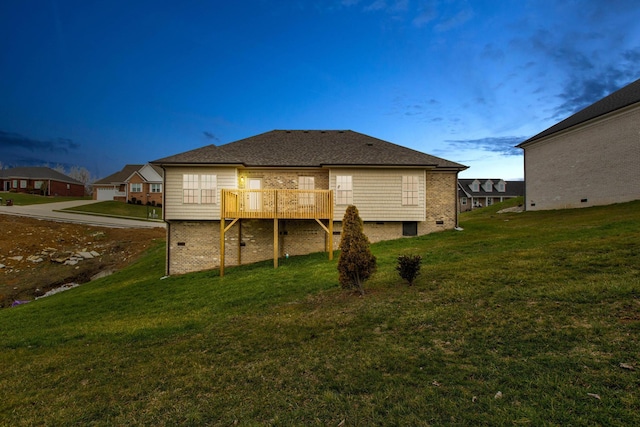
x,y
586,124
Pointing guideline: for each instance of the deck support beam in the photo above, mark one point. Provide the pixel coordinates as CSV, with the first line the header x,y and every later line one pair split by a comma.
x,y
236,213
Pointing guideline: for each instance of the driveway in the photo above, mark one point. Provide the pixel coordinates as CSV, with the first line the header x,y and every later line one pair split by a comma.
x,y
52,212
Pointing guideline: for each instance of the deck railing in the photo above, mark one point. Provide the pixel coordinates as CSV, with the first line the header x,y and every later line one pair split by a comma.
x,y
282,204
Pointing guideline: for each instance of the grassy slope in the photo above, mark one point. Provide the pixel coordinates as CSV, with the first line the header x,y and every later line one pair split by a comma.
x,y
541,306
119,209
20,199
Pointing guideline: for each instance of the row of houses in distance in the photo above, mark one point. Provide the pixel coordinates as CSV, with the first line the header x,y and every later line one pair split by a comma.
x,y
477,193
40,180
285,191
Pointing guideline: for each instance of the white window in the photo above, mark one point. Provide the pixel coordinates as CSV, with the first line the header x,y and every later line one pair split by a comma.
x,y
135,187
501,186
199,189
208,188
475,186
23,183
344,190
488,186
156,188
306,183
409,190
463,200
15,183
190,186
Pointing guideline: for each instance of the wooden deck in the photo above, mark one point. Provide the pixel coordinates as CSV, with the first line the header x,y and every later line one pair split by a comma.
x,y
277,204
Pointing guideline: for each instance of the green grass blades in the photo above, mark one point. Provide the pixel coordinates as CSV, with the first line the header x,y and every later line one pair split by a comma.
x,y
521,319
120,209
21,199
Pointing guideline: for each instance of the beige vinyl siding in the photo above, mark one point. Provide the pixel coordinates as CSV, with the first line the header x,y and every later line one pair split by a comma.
x,y
377,193
176,209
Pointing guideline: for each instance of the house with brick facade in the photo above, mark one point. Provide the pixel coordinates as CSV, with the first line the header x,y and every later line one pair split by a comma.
x,y
141,184
285,193
477,193
40,180
591,158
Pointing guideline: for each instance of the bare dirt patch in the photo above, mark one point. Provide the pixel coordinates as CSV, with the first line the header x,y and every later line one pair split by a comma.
x,y
34,254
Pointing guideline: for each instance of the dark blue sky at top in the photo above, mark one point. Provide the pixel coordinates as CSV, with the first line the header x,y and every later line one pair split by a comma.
x,y
100,84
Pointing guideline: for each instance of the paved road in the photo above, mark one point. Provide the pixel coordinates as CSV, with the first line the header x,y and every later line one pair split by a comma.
x,y
51,212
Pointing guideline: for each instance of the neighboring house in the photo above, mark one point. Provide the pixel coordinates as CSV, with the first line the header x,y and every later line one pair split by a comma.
x,y
591,158
279,193
478,193
40,180
140,184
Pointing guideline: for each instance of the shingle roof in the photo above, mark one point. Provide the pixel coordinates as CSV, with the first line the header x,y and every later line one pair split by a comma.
x,y
312,148
621,98
120,176
511,188
37,172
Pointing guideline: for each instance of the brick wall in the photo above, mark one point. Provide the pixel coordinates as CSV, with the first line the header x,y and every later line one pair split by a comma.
x,y
442,210
595,164
283,179
63,189
146,189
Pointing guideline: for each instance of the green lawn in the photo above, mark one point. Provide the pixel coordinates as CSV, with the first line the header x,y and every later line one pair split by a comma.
x,y
120,209
543,307
21,199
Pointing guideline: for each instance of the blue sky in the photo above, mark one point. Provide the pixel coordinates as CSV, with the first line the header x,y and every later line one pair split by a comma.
x,y
100,84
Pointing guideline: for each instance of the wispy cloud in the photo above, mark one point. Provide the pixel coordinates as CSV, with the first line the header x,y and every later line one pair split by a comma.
x,y
583,90
577,63
455,21
504,145
376,5
17,141
444,15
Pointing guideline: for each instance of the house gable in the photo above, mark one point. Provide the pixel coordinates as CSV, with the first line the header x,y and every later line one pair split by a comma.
x,y
587,159
151,173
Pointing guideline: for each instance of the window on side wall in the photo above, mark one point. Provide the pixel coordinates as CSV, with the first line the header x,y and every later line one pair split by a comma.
x,y
156,188
344,190
190,188
208,188
306,183
463,200
23,183
409,190
135,187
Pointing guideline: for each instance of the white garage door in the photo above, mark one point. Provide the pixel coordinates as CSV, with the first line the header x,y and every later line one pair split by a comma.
x,y
105,193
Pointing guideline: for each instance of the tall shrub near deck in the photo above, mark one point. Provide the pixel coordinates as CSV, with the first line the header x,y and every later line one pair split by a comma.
x,y
356,263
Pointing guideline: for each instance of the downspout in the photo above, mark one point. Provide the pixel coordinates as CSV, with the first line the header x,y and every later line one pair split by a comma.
x,y
455,188
167,224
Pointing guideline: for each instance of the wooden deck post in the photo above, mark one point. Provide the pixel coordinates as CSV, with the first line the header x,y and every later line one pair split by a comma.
x,y
276,241
222,232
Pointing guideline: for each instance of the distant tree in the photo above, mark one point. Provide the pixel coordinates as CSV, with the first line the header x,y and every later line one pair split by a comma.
x,y
356,263
83,175
79,173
